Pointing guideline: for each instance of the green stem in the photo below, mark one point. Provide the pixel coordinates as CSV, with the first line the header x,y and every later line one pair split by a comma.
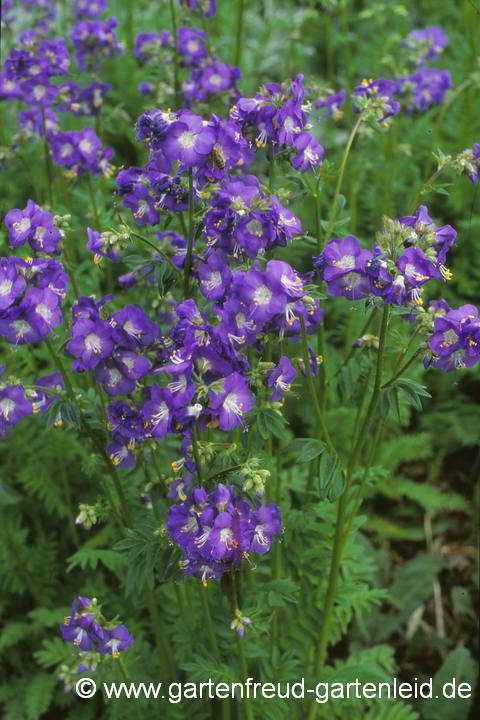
x,y
188,258
98,444
130,32
424,187
451,97
93,201
175,55
308,370
196,454
71,274
239,37
124,673
402,369
339,539
346,153
161,637
271,171
48,160
240,649
208,619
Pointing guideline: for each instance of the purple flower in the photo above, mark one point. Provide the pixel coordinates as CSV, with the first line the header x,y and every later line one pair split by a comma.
x,y
91,343
12,284
191,45
39,91
309,152
95,38
103,245
148,46
14,406
17,328
232,404
157,411
132,328
215,275
281,379
205,7
455,341
259,291
344,256
435,38
189,140
89,8
426,87
267,525
216,531
333,103
42,308
115,641
19,224
88,630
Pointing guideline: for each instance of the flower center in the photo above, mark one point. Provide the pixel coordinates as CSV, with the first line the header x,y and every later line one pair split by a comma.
x,y
66,150
44,312
216,80
93,343
6,287
231,404
6,407
85,146
262,295
21,328
187,139
347,262
39,92
226,536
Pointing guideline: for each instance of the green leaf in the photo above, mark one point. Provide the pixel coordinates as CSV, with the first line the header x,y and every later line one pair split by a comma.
x,y
331,481
305,449
39,695
459,667
90,557
13,633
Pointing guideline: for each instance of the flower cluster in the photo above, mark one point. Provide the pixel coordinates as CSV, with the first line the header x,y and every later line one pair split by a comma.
x,y
150,46
217,530
14,406
430,41
207,8
88,630
408,253
468,163
277,115
89,8
95,40
455,340
81,152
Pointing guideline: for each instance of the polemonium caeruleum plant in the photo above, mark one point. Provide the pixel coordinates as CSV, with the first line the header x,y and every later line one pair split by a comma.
x,y
233,540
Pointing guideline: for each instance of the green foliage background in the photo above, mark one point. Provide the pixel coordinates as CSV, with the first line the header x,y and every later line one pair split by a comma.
x,y
422,506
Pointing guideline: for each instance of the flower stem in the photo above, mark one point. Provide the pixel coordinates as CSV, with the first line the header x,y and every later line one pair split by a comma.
x,y
340,537
331,218
93,201
48,160
97,443
208,620
175,54
240,649
196,454
239,39
308,370
402,369
161,637
188,258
